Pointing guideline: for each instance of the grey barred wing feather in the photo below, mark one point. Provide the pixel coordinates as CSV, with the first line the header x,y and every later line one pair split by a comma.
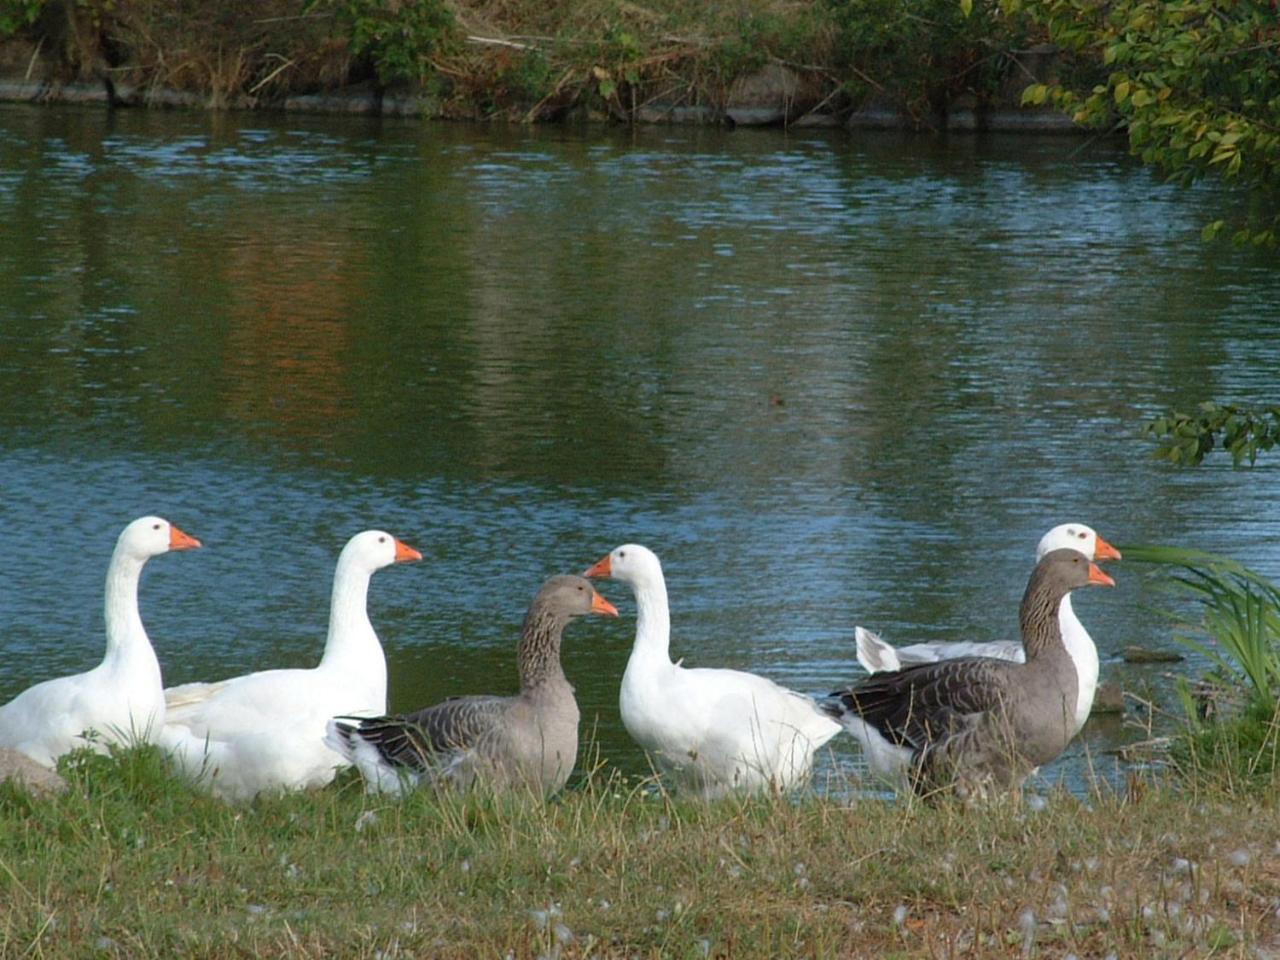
x,y
431,739
921,705
458,723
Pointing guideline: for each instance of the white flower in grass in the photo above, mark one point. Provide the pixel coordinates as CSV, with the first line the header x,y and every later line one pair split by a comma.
x,y
1027,924
899,914
543,917
365,820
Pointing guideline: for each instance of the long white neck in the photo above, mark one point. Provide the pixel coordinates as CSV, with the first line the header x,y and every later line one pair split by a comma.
x,y
126,636
352,644
1083,654
653,621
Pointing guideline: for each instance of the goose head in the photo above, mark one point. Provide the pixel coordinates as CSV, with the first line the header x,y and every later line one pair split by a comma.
x,y
374,549
149,537
1078,537
568,596
631,563
1067,569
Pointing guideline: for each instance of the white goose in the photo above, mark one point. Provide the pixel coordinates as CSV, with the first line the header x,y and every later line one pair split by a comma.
x,y
121,698
877,656
265,731
711,731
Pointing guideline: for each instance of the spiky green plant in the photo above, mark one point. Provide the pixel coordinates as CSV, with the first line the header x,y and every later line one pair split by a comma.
x,y
1239,613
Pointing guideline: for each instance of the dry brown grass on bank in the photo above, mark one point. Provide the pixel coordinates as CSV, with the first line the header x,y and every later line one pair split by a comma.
x,y
495,58
617,57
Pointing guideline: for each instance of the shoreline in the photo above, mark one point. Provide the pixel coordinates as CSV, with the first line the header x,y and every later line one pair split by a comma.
x,y
364,101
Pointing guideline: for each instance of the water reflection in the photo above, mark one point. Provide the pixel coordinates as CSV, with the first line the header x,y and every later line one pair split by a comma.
x,y
831,380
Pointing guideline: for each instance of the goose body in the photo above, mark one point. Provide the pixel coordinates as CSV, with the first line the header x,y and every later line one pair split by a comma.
x,y
877,656
120,700
528,739
977,720
711,731
265,731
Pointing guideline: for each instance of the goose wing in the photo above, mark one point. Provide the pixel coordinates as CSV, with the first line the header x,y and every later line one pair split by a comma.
x,y
418,740
920,705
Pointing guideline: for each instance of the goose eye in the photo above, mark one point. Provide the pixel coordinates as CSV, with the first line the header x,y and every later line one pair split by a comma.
x,y
1081,534
155,526
382,539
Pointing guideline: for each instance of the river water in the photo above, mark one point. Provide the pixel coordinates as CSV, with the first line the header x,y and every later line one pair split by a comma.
x,y
829,378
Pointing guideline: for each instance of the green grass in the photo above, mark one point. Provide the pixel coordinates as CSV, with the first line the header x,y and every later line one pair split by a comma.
x,y
130,862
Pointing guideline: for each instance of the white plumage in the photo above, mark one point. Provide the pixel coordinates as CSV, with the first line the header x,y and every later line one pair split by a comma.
x,y
121,699
266,730
712,731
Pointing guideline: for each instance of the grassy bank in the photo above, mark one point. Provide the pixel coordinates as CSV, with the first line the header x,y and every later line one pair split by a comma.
x,y
130,863
602,59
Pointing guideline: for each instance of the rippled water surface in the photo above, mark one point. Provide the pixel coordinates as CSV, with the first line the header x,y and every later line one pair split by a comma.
x,y
830,379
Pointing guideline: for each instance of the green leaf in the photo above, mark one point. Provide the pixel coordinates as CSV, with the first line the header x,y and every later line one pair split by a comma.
x,y
1037,93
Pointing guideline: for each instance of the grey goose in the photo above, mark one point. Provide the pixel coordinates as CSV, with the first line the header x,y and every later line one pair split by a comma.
x,y
528,739
974,722
877,656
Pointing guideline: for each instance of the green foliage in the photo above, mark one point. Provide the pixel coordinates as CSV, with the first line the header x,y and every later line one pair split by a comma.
x,y
766,35
1239,611
922,55
1238,631
1240,431
398,37
1195,82
16,14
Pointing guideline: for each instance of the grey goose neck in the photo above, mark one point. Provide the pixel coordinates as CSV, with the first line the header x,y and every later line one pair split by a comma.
x,y
1057,574
538,656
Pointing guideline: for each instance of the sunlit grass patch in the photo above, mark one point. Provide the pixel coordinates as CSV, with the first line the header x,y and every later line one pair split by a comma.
x,y
131,863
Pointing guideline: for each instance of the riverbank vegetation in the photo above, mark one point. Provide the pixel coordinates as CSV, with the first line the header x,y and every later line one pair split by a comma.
x,y
497,58
129,862
1193,84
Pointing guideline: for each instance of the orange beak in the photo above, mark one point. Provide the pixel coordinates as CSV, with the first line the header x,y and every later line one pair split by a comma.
x,y
1105,551
1096,576
602,569
181,541
600,605
405,553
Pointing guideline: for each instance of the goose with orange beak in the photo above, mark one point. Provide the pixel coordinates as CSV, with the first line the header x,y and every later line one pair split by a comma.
x,y
526,740
265,731
877,656
975,722
120,701
711,731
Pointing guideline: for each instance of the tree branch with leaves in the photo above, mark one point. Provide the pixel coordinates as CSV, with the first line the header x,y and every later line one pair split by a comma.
x,y
1240,431
1196,83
